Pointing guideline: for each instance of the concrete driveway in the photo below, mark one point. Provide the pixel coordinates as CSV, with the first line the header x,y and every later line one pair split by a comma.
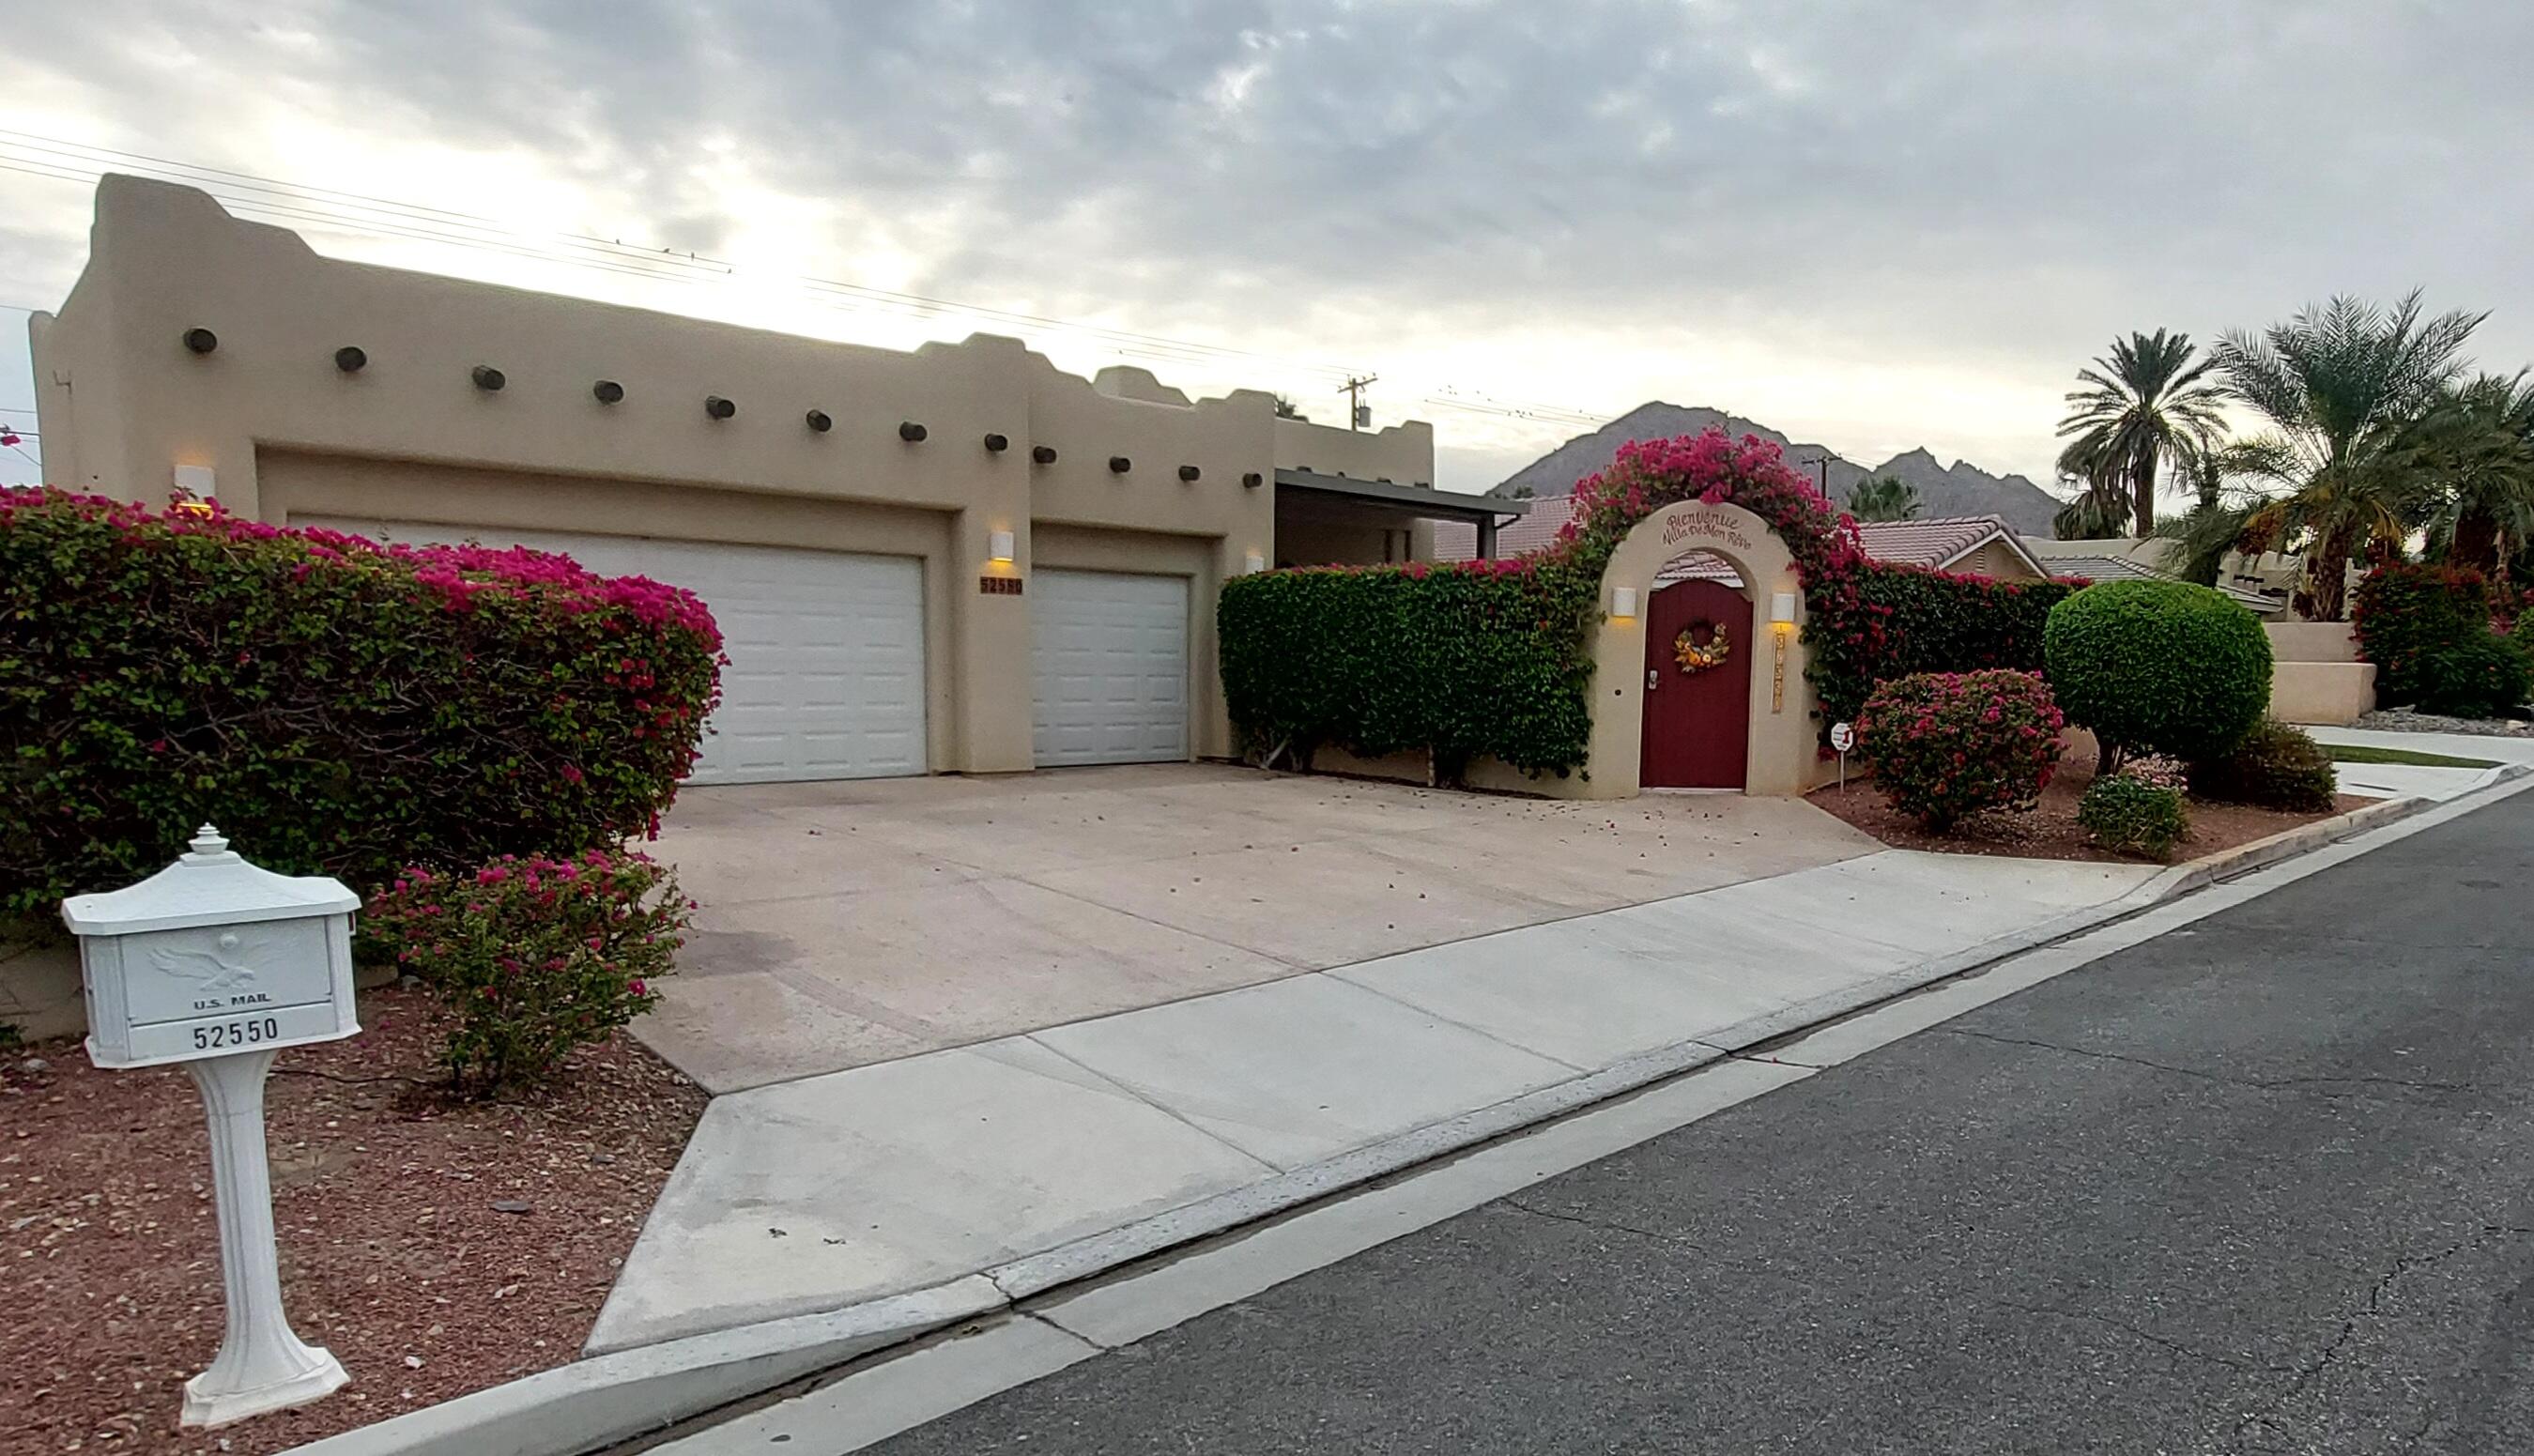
x,y
857,922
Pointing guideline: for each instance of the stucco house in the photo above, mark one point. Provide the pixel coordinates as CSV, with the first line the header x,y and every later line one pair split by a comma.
x,y
954,559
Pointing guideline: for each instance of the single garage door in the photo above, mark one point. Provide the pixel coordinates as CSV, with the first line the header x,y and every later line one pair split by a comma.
x,y
827,648
1110,674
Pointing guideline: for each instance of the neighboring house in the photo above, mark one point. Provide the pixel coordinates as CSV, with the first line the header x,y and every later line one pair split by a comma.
x,y
2135,557
1974,545
957,559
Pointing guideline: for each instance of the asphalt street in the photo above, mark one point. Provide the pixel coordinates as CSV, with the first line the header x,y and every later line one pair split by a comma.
x,y
2262,1185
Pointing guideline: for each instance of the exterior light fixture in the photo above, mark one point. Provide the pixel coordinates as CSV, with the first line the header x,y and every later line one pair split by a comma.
x,y
911,432
351,358
1781,613
1044,454
999,443
719,407
1119,464
194,485
1189,473
1623,603
201,340
1782,627
1254,479
1253,562
607,391
999,548
488,378
817,420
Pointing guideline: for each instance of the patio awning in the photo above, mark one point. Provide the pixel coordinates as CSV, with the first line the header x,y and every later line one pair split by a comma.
x,y
1412,499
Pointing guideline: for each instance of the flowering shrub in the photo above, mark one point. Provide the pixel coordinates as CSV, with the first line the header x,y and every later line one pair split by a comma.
x,y
2161,667
2404,613
530,957
1945,746
334,706
2131,814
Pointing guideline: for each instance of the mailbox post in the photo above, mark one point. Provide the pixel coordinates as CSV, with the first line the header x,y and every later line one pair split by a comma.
x,y
217,964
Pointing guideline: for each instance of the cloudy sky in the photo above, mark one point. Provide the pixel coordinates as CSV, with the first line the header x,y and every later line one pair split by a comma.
x,y
1877,224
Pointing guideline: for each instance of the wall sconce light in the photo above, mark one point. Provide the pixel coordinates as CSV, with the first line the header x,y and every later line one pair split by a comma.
x,y
1253,562
1189,473
1623,603
488,378
607,391
999,443
719,407
201,340
999,548
1782,627
351,358
1253,479
1119,464
1044,454
911,432
817,420
1781,613
194,485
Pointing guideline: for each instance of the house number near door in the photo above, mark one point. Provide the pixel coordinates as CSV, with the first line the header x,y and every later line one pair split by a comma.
x,y
999,585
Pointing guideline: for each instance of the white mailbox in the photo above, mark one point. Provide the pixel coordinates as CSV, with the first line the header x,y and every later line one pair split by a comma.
x,y
212,956
217,964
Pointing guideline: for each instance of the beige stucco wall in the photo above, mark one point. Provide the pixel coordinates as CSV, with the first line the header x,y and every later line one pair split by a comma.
x,y
2316,675
409,437
2313,642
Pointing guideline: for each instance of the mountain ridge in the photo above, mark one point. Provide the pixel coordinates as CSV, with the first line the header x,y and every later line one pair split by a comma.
x,y
1958,489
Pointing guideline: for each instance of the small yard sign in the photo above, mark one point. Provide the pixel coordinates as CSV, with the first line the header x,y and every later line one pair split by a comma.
x,y
217,964
1842,736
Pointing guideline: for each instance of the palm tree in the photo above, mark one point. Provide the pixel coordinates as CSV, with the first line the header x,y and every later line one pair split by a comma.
x,y
2478,444
1884,498
2346,388
2149,402
2197,542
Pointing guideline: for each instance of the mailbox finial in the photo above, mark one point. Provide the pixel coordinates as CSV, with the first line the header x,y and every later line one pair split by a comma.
x,y
208,842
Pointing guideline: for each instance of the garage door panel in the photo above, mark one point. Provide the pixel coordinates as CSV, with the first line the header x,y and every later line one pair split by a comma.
x,y
825,677
1110,678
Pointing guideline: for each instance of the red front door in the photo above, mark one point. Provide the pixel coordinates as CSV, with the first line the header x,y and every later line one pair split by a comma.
x,y
1697,725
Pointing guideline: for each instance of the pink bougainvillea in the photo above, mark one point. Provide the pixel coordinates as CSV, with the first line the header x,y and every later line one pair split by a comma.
x,y
1946,745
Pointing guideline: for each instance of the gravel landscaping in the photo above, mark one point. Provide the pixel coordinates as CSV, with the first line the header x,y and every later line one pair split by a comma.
x,y
2051,831
436,1248
2404,720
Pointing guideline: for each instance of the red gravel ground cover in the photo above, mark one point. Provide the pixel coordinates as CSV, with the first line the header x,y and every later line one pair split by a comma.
x,y
394,1252
2051,831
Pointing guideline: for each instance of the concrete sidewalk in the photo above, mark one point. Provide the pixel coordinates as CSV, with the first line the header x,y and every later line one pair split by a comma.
x,y
2393,781
948,1167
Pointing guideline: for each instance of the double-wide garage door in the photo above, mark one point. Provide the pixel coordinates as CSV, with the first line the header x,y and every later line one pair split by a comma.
x,y
826,647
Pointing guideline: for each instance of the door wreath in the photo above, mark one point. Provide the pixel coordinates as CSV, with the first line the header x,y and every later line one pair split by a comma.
x,y
1696,656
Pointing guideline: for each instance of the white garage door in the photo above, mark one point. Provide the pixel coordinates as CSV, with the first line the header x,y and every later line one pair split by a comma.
x,y
1110,678
827,648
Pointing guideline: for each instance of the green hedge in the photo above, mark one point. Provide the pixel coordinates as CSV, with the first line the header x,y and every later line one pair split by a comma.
x,y
332,706
1906,620
1481,659
2278,765
2404,613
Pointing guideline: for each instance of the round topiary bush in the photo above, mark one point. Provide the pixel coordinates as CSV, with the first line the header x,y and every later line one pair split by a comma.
x,y
2481,675
2158,667
1945,746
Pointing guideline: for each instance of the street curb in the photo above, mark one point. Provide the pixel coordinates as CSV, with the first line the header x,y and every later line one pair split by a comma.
x,y
605,1399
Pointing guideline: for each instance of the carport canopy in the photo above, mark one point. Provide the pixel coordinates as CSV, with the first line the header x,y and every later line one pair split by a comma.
x,y
1390,503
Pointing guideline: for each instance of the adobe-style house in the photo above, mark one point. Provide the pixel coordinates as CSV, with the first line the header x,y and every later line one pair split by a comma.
x,y
954,559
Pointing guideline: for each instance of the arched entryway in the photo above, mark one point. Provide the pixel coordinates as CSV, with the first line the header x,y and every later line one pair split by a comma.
x,y
1700,645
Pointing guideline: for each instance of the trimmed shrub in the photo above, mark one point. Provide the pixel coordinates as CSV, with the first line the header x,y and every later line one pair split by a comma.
x,y
1462,660
1907,619
2161,667
2276,767
530,957
336,706
1946,745
2481,675
2405,613
2128,814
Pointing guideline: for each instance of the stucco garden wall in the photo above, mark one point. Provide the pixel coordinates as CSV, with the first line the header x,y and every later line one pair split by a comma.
x,y
2316,675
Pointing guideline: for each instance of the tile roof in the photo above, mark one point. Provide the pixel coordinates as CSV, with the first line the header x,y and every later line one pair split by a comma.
x,y
2122,569
1920,543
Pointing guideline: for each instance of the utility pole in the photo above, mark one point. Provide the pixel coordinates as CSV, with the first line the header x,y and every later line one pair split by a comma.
x,y
1359,413
1822,461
